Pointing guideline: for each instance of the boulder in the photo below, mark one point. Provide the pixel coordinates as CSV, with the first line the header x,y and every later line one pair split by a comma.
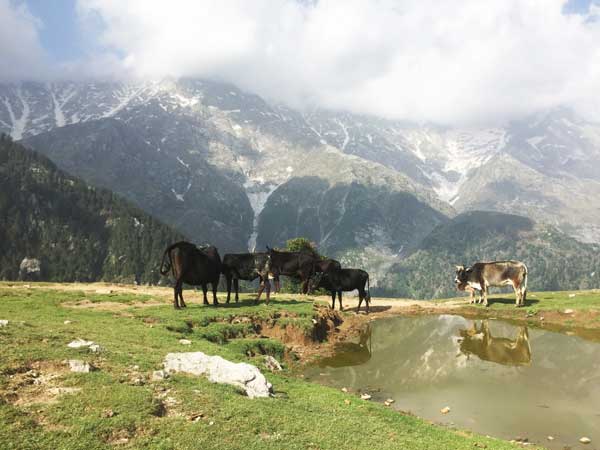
x,y
81,343
30,269
219,370
3,323
159,375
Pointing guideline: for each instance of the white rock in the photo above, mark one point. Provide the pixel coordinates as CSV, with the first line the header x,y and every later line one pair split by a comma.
x,y
365,397
76,365
80,343
67,322
569,311
219,370
185,342
94,348
159,375
445,410
550,438
571,295
3,323
585,440
272,364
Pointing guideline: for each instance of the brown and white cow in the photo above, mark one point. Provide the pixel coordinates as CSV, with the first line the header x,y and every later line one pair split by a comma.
x,y
480,276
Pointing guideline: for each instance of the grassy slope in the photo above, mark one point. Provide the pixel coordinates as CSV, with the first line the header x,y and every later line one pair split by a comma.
x,y
301,416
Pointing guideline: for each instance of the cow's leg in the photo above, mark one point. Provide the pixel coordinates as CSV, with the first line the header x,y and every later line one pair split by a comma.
x,y
333,294
304,288
228,278
204,291
268,289
360,300
181,302
215,285
340,300
484,288
517,290
236,285
176,294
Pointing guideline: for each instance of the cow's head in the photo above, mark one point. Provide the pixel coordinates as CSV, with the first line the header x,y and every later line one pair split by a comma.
x,y
462,275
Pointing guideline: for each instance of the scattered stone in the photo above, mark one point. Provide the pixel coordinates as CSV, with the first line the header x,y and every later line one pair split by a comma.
x,y
138,381
365,397
94,348
347,402
159,375
185,342
67,322
550,438
108,413
196,417
388,402
211,423
445,410
345,390
76,365
572,295
479,445
219,370
272,364
80,343
585,440
522,440
569,311
3,323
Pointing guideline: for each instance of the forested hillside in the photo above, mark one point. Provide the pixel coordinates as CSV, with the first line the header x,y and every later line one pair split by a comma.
x,y
555,261
75,232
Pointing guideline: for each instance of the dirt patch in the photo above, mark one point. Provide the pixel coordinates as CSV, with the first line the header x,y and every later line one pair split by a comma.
x,y
110,306
36,383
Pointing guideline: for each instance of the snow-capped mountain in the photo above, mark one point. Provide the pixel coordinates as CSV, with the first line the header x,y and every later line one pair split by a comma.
x,y
229,167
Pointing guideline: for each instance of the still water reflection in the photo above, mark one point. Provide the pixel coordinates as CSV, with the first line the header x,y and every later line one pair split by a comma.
x,y
497,378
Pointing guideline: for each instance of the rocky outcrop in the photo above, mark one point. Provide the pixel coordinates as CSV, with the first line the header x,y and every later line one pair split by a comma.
x,y
219,370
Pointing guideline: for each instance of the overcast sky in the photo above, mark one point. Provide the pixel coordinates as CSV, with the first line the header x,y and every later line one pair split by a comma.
x,y
441,61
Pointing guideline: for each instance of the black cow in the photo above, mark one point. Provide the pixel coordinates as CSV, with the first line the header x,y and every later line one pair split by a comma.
x,y
242,266
192,265
297,265
345,280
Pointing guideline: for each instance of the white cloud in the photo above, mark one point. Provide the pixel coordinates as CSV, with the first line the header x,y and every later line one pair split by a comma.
x,y
442,61
21,55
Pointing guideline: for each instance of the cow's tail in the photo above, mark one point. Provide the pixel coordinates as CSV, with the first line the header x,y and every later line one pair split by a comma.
x,y
166,264
368,290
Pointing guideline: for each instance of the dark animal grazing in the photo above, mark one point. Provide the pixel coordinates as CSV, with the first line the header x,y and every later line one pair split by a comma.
x,y
482,275
242,266
194,266
510,352
297,265
345,280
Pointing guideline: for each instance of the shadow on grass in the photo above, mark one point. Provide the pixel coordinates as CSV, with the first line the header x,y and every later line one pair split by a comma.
x,y
510,301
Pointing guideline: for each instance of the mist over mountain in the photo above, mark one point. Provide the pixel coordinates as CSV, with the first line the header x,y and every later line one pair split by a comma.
x,y
225,166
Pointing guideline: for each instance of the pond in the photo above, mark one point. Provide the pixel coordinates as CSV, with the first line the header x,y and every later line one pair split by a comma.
x,y
498,379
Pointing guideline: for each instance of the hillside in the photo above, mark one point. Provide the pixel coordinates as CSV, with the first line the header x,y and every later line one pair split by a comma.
x,y
76,232
555,261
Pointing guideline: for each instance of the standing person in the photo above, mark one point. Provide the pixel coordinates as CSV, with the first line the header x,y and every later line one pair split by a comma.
x,y
265,283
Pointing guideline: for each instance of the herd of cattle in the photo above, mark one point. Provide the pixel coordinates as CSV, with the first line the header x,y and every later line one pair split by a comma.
x,y
203,266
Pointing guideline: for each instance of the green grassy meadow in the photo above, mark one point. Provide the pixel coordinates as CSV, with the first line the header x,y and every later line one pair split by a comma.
x,y
120,406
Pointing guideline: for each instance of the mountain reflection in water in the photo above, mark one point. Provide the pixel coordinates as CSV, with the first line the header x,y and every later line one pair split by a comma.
x,y
498,378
